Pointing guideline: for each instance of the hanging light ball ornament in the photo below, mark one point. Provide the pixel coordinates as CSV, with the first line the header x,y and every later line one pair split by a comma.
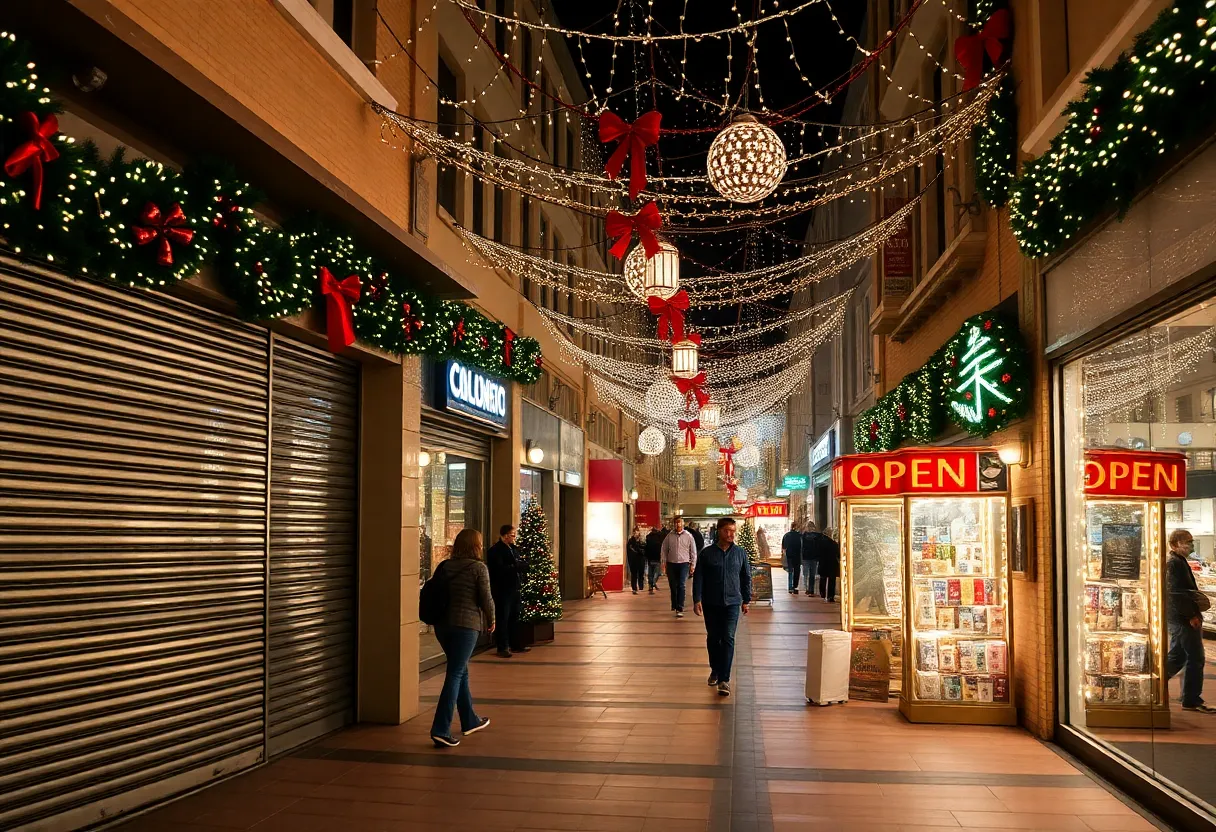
x,y
747,457
746,160
651,441
710,416
747,434
663,398
658,275
684,360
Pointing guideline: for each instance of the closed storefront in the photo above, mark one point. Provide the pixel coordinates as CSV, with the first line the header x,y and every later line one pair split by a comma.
x,y
177,547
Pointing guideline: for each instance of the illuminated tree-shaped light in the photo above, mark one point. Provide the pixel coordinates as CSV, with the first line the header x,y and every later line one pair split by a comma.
x,y
659,276
711,418
651,441
746,160
663,398
748,456
980,365
684,360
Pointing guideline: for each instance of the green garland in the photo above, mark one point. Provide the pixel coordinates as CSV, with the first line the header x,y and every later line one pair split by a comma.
x,y
147,225
979,380
1155,98
996,137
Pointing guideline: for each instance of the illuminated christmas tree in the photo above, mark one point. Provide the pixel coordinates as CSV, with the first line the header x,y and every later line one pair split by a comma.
x,y
747,540
541,598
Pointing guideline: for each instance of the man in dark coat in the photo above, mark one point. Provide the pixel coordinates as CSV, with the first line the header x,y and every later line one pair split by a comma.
x,y
1184,620
825,553
697,536
654,556
507,570
791,557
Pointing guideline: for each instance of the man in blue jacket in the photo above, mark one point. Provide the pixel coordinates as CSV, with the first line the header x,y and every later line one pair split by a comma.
x,y
721,587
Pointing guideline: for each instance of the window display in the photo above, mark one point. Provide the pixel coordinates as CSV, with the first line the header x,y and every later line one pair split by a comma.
x,y
923,535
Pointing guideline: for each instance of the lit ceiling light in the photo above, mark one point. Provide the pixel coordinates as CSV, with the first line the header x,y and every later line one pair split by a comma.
x,y
746,161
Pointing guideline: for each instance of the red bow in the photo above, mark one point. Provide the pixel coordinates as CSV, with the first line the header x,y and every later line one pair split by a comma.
x,y
409,323
991,39
339,295
31,154
227,214
692,388
164,227
635,138
671,314
458,332
507,337
645,223
728,461
690,432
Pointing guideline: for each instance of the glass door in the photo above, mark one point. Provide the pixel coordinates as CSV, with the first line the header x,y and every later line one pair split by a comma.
x,y
872,583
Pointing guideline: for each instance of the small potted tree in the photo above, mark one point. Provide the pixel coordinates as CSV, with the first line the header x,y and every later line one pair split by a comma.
x,y
542,600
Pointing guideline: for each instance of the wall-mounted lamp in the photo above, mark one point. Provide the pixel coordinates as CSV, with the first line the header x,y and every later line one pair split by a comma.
x,y
633,494
536,455
1019,454
424,459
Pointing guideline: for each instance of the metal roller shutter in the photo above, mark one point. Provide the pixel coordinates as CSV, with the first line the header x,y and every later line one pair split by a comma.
x,y
313,540
457,437
133,470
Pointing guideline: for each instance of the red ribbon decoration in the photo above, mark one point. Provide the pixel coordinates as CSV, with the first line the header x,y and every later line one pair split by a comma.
x,y
728,461
992,39
644,223
507,337
167,228
690,432
409,323
692,388
671,314
635,138
458,332
339,295
31,154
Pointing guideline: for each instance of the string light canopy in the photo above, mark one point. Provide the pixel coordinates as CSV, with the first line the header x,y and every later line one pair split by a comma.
x,y
746,161
651,441
748,456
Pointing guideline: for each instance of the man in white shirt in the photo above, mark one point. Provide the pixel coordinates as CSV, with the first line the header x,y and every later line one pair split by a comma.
x,y
680,555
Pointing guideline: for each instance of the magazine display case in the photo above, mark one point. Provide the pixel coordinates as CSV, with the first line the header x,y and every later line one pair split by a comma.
x,y
1121,587
923,540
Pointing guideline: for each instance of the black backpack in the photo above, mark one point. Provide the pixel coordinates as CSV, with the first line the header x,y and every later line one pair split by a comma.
x,y
434,597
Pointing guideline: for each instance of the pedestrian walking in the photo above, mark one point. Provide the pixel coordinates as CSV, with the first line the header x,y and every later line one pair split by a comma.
x,y
635,552
1184,620
680,558
721,589
697,537
469,610
811,542
827,558
791,556
507,570
654,557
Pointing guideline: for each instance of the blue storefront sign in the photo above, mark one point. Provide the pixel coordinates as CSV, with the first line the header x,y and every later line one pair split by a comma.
x,y
472,393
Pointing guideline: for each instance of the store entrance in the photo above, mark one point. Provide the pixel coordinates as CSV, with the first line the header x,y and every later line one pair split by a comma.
x,y
572,570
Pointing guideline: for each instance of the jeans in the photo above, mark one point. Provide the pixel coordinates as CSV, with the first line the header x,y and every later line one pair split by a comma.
x,y
827,587
793,568
809,567
457,644
506,620
653,568
677,578
1186,650
720,624
637,573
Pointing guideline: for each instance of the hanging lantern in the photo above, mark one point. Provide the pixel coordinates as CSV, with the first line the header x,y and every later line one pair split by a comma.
x,y
663,398
658,275
651,441
711,417
684,359
746,160
748,456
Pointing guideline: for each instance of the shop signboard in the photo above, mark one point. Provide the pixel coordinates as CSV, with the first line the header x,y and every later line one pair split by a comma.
x,y
719,511
897,265
762,583
916,471
823,450
474,394
1140,475
796,482
782,492
769,510
646,514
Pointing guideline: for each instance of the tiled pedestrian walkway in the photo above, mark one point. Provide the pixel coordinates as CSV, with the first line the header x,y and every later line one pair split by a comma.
x,y
613,728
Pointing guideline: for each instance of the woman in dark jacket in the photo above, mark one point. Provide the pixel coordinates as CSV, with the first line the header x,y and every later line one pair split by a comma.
x,y
470,609
827,552
635,549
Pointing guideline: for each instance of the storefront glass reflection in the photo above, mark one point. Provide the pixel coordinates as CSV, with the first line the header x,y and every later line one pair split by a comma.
x,y
1154,390
451,497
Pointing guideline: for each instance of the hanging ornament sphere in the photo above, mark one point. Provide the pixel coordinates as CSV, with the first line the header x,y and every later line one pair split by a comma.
x,y
684,361
748,456
747,434
658,275
651,441
663,398
710,416
746,160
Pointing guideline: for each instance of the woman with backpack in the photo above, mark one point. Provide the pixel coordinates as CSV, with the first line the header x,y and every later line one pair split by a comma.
x,y
460,613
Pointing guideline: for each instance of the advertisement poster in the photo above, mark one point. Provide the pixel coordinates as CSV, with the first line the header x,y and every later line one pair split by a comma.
x,y
1121,546
870,666
762,583
897,265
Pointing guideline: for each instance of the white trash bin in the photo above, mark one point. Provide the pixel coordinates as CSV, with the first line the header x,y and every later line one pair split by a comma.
x,y
827,666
